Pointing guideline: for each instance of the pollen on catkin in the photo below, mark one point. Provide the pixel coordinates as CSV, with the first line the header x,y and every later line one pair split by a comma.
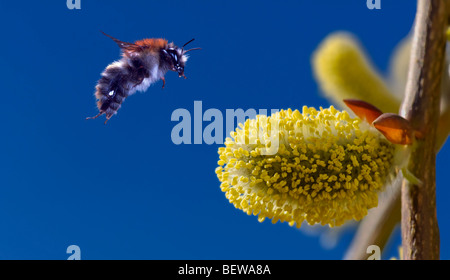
x,y
328,167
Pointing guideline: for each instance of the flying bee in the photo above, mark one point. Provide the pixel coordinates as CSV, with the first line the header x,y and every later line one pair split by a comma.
x,y
143,63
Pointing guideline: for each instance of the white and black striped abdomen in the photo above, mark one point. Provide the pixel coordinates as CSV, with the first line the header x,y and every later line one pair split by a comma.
x,y
119,80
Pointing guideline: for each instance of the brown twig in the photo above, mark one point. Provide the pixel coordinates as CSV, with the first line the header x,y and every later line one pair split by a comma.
x,y
420,231
377,227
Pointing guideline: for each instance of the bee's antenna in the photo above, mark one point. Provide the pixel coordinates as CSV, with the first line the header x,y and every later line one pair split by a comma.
x,y
194,49
182,49
187,43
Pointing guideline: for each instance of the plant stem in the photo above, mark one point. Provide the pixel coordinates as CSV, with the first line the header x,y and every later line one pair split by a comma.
x,y
376,228
420,231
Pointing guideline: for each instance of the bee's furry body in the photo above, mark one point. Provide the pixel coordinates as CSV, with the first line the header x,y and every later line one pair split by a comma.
x,y
143,63
121,79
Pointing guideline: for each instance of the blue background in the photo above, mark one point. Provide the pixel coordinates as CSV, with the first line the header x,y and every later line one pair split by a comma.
x,y
124,190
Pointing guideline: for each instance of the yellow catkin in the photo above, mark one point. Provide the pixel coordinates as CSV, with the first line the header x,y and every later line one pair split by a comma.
x,y
328,167
343,72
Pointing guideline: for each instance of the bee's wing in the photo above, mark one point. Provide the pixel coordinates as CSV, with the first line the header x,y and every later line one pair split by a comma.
x,y
130,47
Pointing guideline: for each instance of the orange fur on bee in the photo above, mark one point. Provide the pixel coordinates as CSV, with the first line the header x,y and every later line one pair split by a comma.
x,y
99,104
98,96
152,45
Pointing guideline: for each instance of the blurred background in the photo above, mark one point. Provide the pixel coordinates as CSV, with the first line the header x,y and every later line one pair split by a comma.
x,y
125,190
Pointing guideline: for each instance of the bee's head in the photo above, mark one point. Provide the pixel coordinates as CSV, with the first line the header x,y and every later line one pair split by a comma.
x,y
176,57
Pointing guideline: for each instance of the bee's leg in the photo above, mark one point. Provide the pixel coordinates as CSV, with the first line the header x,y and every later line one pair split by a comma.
x,y
98,115
107,119
164,81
